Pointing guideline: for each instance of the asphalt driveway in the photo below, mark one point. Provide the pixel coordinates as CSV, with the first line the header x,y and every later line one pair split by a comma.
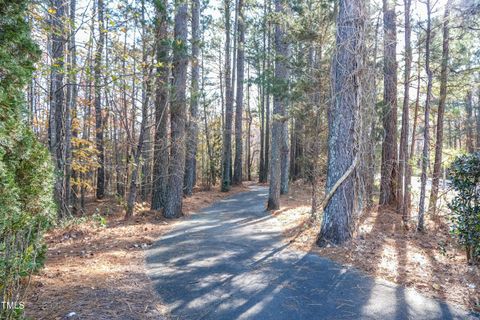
x,y
228,261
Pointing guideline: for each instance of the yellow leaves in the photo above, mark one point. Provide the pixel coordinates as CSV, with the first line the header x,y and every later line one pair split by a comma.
x,y
159,64
123,29
36,16
179,42
52,10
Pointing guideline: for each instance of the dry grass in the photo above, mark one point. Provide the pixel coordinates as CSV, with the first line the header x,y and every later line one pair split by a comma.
x,y
431,262
99,272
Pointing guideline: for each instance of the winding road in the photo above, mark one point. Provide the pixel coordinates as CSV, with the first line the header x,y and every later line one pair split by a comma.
x,y
228,261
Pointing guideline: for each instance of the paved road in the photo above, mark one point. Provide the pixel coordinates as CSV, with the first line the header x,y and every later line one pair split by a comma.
x,y
229,262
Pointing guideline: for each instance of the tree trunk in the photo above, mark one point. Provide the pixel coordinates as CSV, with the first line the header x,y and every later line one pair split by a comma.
x,y
317,143
469,124
426,133
249,134
173,206
160,156
132,196
58,116
267,97
73,102
388,183
441,111
262,173
279,110
371,100
190,165
98,103
477,118
227,135
338,217
403,152
237,170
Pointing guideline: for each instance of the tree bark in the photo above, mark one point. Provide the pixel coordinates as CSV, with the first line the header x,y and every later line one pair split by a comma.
x,y
267,95
190,165
100,193
161,153
469,124
237,170
338,216
389,170
477,118
173,206
279,110
227,134
426,133
73,103
248,160
403,152
137,153
441,111
58,116
262,173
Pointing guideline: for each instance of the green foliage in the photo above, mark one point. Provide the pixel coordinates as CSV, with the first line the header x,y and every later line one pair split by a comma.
x,y
465,206
26,175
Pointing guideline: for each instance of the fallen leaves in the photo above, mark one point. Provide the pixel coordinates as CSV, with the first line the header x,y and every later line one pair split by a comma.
x,y
430,262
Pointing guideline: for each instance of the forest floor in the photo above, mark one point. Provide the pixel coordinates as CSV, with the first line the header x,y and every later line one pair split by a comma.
x,y
430,262
95,266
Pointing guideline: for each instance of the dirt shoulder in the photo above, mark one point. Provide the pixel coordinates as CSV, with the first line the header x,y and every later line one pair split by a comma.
x,y
95,268
431,263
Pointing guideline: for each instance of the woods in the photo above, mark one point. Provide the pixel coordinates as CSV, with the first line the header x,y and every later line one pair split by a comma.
x,y
364,106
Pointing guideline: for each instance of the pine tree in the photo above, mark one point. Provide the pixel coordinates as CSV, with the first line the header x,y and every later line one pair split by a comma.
x,y
98,102
337,222
26,174
160,157
237,170
389,170
279,111
178,113
190,165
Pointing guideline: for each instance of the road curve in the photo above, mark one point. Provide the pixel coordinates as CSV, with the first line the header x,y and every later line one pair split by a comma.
x,y
228,261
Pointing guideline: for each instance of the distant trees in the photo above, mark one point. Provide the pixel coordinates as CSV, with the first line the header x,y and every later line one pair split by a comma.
x,y
114,111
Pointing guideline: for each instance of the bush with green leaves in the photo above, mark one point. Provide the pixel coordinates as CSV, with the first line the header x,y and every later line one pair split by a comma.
x,y
465,206
26,175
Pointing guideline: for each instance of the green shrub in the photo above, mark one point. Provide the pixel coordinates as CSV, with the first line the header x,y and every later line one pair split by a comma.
x,y
26,175
465,206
